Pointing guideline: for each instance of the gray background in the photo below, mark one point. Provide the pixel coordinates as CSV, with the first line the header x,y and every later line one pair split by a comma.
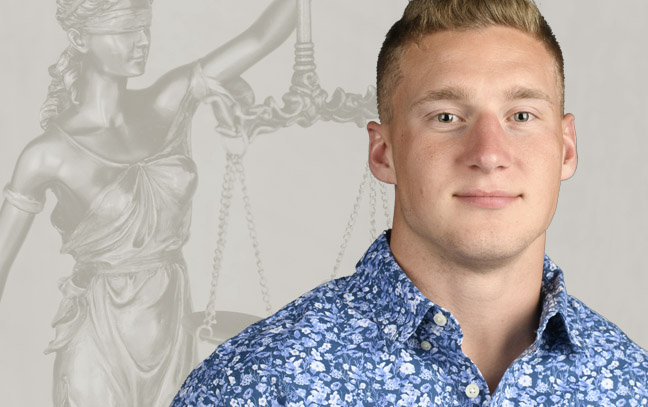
x,y
303,181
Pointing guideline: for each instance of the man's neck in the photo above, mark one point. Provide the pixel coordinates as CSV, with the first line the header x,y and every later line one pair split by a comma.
x,y
498,308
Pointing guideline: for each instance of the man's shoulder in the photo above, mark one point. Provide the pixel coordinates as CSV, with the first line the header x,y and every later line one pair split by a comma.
x,y
295,339
313,311
604,340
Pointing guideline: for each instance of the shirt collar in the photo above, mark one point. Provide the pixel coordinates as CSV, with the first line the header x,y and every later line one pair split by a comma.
x,y
557,313
395,304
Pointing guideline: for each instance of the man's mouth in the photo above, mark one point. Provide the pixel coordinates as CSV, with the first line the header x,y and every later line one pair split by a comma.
x,y
488,199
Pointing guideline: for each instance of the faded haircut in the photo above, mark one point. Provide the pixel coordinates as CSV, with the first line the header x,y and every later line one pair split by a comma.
x,y
423,17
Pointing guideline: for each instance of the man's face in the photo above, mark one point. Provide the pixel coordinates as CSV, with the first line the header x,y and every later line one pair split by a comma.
x,y
477,145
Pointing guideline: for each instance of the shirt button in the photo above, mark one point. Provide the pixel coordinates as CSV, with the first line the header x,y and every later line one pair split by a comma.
x,y
440,319
472,390
426,346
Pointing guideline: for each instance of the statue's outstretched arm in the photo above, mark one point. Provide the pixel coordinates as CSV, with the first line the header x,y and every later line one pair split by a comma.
x,y
23,198
270,30
231,59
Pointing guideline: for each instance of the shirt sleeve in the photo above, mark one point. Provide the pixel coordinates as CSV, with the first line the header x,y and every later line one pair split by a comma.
x,y
21,201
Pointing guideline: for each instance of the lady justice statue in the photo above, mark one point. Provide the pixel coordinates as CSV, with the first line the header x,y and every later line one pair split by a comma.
x,y
118,161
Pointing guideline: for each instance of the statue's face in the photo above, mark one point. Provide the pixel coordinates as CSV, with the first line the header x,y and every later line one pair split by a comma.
x,y
117,41
119,54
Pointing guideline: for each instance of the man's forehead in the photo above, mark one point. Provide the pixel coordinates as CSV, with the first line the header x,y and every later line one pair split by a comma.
x,y
450,64
467,43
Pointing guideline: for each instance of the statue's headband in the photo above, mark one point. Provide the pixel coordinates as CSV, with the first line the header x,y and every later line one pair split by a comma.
x,y
119,21
72,9
132,16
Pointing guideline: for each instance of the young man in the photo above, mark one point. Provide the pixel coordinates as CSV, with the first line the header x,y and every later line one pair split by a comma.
x,y
457,304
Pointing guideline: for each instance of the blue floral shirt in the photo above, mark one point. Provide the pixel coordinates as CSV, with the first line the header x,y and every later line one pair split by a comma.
x,y
372,339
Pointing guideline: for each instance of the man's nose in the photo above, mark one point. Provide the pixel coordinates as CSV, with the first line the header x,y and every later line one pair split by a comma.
x,y
487,145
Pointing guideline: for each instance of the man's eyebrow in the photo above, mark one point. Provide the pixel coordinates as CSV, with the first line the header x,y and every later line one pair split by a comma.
x,y
458,94
527,93
450,93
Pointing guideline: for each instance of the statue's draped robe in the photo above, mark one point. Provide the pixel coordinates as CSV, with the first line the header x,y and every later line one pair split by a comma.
x,y
119,337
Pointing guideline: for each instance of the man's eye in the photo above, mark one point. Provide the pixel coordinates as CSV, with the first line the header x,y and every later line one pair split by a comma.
x,y
446,118
522,116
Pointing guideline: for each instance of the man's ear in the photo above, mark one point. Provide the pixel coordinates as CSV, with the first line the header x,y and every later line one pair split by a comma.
x,y
570,155
381,161
77,40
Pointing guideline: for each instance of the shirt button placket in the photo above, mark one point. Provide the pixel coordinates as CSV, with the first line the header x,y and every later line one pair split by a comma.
x,y
441,321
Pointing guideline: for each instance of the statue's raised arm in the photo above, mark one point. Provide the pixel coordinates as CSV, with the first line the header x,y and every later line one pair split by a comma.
x,y
234,57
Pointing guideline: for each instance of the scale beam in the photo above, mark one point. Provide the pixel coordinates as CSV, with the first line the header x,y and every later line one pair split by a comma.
x,y
306,102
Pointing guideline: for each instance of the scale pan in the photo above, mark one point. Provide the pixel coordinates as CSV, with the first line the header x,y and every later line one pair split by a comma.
x,y
229,323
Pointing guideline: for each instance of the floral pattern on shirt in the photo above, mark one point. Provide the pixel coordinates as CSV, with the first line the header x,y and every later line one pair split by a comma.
x,y
373,339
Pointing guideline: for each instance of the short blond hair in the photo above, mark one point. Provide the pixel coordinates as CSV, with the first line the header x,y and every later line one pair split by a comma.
x,y
423,17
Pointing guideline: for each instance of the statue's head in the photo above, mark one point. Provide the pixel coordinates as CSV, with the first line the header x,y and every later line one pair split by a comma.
x,y
112,35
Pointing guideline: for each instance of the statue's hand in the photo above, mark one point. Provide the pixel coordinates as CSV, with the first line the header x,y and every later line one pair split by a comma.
x,y
229,116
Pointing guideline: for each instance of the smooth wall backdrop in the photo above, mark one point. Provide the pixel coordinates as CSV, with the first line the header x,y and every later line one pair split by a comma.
x,y
303,182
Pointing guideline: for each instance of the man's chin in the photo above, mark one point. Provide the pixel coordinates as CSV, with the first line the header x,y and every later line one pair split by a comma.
x,y
487,254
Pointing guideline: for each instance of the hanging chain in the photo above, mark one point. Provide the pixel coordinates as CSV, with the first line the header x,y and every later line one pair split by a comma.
x,y
223,219
372,207
374,185
263,284
350,224
385,204
234,171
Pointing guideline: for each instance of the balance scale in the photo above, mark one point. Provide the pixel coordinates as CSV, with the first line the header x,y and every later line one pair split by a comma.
x,y
304,104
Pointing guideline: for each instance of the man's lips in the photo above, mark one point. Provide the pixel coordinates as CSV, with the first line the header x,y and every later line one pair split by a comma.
x,y
487,199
